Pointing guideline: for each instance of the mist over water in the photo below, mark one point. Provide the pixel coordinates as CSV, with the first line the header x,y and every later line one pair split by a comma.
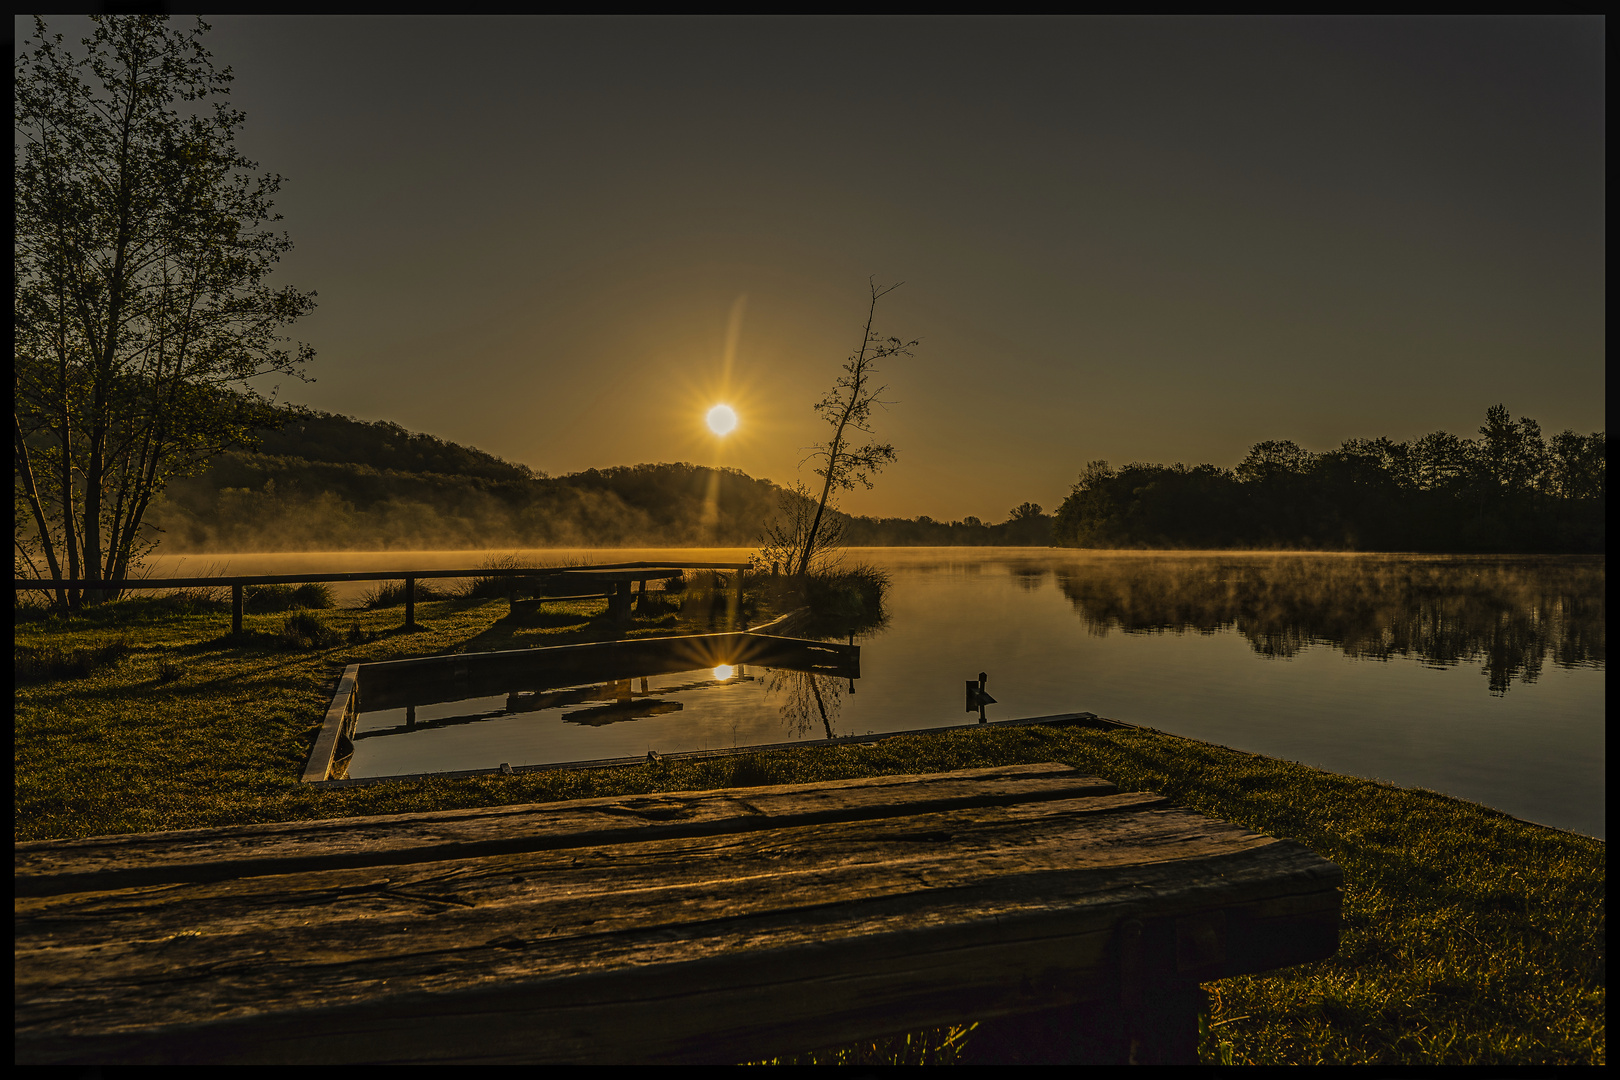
x,y
1481,677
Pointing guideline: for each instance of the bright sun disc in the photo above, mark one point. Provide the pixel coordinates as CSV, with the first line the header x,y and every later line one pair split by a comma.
x,y
722,419
724,672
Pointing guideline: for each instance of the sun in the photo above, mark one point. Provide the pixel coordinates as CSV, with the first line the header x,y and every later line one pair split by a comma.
x,y
722,419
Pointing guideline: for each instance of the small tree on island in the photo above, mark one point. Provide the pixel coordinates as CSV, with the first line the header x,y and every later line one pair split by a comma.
x,y
141,311
805,532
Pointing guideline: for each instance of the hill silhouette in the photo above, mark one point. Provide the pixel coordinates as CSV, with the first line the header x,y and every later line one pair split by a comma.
x,y
323,482
326,482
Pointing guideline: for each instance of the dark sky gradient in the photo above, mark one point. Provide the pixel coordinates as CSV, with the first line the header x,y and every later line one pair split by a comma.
x,y
1143,239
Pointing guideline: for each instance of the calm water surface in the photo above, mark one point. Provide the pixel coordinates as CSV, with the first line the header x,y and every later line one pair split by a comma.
x,y
1479,677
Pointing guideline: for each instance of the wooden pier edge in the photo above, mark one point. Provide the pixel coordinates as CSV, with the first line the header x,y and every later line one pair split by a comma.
x,y
340,717
342,711
869,739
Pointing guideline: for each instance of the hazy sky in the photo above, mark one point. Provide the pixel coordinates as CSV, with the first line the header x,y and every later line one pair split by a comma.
x,y
1132,239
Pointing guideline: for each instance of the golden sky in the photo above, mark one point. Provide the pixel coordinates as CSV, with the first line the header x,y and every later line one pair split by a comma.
x,y
564,240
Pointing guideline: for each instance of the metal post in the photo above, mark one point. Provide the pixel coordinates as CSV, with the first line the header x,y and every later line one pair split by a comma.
x,y
410,603
236,609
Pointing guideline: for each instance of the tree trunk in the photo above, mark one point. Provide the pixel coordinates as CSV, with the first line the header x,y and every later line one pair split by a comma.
x,y
96,470
836,446
26,468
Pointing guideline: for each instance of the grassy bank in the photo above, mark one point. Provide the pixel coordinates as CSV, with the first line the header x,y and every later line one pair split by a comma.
x,y
1468,938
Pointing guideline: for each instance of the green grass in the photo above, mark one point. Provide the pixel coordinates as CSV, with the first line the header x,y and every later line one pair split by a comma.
x,y
1468,937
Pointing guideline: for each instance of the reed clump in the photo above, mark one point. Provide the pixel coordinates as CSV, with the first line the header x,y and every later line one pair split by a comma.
x,y
391,594
267,599
841,600
497,586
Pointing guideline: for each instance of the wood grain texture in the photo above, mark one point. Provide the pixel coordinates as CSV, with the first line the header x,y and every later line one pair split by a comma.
x,y
839,912
43,867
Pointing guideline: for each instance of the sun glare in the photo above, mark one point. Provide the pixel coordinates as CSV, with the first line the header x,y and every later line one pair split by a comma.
x,y
722,419
724,672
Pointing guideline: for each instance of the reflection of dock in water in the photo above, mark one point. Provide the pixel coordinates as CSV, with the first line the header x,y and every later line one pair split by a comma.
x,y
539,687
620,711
620,695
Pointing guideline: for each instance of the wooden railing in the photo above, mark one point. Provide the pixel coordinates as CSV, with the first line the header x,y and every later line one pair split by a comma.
x,y
620,575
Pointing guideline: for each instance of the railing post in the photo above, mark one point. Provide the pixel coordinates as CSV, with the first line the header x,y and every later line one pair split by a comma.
x,y
410,603
236,609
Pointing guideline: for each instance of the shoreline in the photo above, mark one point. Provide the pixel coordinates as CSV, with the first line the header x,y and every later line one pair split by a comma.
x,y
1469,936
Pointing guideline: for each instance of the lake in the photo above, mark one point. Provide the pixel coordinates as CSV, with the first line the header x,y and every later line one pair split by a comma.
x,y
1481,677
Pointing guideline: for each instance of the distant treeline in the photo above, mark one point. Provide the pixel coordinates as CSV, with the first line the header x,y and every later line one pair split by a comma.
x,y
326,482
1510,490
1026,525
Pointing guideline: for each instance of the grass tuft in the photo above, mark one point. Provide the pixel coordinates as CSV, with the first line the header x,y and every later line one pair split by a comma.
x,y
52,662
306,630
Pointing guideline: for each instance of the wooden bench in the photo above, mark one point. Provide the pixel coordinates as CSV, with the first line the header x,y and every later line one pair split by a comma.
x,y
1074,921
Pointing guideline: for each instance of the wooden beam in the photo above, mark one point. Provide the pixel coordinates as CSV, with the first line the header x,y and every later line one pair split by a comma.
x,y
764,939
657,570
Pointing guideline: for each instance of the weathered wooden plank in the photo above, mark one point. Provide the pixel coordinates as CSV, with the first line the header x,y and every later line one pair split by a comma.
x,y
54,866
820,972
916,862
658,929
612,880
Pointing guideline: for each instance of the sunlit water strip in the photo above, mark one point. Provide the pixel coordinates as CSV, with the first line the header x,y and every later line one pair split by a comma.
x,y
1536,751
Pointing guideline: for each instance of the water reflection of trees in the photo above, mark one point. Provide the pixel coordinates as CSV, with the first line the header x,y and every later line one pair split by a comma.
x,y
1509,614
808,700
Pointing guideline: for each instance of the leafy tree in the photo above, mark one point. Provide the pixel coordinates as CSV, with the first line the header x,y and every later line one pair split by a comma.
x,y
1273,459
1084,517
847,409
1514,455
1577,464
1441,461
141,248
1025,511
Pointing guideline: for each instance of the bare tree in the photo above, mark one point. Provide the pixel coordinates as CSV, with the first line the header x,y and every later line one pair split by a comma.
x,y
788,537
847,408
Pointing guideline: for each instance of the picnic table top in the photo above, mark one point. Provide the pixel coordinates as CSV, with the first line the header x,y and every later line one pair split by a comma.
x,y
683,926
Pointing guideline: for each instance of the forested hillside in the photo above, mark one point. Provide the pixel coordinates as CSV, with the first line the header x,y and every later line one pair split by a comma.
x,y
328,482
324,482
